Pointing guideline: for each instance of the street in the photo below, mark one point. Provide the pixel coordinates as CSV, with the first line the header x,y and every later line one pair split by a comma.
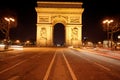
x,y
57,64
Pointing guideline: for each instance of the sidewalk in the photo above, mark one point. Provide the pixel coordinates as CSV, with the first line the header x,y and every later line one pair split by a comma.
x,y
2,50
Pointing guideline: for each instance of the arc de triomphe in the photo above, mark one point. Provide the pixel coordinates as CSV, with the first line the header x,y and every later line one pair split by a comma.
x,y
69,14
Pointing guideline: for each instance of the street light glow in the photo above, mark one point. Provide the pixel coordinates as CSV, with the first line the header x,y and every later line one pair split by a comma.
x,y
9,19
118,36
12,19
6,19
107,21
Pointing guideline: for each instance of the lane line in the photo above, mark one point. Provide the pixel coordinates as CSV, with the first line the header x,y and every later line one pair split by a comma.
x,y
49,68
14,78
102,66
7,69
69,68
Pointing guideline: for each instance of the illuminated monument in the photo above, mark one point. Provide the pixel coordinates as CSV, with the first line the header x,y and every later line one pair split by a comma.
x,y
69,14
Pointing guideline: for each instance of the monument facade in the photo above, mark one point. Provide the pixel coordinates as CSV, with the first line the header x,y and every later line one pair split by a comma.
x,y
68,14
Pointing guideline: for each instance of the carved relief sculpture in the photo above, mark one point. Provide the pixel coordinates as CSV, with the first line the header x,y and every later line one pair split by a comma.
x,y
74,20
43,34
43,19
74,33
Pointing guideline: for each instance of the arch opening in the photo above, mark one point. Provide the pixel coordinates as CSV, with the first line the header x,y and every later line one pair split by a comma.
x,y
59,35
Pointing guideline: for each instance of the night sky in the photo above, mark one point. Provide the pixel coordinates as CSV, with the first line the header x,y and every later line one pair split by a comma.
x,y
95,12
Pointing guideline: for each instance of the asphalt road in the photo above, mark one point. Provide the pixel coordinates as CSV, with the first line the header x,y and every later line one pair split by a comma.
x,y
57,64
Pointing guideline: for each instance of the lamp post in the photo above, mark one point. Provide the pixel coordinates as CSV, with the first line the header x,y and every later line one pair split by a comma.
x,y
8,19
108,30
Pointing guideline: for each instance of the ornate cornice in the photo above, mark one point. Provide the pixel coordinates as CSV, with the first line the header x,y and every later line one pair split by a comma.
x,y
60,10
43,4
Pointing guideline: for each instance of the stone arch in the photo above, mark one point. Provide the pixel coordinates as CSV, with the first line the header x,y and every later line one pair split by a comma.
x,y
59,19
67,13
60,32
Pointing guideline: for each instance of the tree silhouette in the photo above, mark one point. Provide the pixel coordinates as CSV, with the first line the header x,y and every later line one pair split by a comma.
x,y
112,28
6,25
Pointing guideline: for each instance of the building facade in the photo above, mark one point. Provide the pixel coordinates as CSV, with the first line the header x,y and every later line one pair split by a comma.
x,y
51,13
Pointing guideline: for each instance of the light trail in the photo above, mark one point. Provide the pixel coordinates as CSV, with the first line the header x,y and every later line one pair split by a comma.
x,y
102,66
96,63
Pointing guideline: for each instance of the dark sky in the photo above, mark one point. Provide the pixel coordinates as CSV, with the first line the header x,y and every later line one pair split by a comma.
x,y
95,12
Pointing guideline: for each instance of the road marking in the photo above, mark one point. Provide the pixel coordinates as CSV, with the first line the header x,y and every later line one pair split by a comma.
x,y
14,78
12,67
102,66
69,68
49,68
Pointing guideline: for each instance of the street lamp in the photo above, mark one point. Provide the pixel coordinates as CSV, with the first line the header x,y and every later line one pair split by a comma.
x,y
17,42
118,36
9,20
108,29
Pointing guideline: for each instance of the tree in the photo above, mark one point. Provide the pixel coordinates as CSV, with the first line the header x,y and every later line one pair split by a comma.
x,y
112,26
115,27
3,25
6,23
